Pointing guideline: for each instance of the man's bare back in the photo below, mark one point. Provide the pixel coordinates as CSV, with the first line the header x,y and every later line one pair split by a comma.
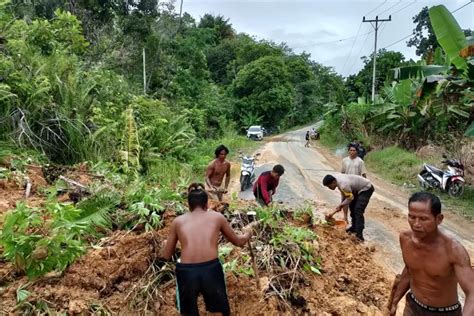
x,y
199,272
198,233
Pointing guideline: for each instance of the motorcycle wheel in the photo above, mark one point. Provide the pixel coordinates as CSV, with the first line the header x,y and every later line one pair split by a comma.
x,y
243,182
456,189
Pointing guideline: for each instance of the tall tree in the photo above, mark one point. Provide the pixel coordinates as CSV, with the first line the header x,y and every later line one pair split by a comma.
x,y
220,24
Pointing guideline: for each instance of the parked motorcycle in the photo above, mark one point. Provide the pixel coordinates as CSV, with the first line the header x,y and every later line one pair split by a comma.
x,y
450,180
247,171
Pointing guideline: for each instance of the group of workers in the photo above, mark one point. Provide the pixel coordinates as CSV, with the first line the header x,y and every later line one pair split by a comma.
x,y
435,263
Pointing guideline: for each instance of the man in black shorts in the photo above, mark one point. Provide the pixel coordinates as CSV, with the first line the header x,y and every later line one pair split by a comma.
x,y
199,271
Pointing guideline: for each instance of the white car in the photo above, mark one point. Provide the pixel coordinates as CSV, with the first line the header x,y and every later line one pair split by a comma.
x,y
255,132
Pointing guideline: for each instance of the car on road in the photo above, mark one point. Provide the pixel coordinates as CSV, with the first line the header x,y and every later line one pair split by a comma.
x,y
255,132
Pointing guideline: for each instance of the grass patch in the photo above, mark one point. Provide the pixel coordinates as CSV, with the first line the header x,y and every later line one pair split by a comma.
x,y
395,164
400,166
462,205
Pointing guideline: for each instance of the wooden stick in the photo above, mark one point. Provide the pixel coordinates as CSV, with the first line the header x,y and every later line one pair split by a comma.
x,y
28,187
254,265
74,183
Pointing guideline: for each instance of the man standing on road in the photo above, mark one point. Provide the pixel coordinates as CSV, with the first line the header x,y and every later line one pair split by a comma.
x,y
266,184
434,264
355,192
215,173
307,139
352,164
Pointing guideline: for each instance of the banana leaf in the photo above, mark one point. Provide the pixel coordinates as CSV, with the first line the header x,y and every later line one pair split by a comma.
x,y
448,34
418,71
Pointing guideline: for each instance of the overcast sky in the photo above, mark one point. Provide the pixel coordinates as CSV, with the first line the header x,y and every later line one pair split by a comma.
x,y
316,26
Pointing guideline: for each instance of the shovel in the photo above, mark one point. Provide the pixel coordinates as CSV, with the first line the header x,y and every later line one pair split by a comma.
x,y
251,215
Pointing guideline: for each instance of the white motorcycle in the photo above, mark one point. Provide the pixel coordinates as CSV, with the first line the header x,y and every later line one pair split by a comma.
x,y
247,171
450,180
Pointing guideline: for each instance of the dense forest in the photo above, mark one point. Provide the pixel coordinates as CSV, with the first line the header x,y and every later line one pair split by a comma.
x,y
81,79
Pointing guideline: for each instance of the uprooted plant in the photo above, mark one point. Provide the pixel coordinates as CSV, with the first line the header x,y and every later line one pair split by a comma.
x,y
283,251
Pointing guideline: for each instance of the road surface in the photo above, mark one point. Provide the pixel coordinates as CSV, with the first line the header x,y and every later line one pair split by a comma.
x,y
385,215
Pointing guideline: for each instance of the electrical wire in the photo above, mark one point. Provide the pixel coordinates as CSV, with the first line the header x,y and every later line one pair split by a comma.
x,y
352,47
330,42
389,8
360,51
376,8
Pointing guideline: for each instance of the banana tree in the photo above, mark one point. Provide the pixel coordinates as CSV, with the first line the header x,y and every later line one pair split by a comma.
x,y
397,115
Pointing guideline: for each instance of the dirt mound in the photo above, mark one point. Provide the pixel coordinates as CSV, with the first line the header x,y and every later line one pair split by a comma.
x,y
98,276
122,276
352,282
12,189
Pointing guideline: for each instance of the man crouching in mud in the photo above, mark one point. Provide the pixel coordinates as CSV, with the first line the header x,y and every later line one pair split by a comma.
x,y
199,269
434,264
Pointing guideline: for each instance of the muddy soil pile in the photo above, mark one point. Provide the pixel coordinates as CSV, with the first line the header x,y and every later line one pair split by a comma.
x,y
13,188
122,275
104,276
115,278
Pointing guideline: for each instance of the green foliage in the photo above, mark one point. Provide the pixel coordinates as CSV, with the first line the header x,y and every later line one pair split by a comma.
x,y
423,36
38,242
263,88
448,34
146,205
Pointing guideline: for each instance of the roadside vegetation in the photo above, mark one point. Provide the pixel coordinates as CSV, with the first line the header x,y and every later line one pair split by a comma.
x,y
427,102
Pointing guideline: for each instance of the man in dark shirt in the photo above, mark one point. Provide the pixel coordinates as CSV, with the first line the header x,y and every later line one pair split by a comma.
x,y
266,185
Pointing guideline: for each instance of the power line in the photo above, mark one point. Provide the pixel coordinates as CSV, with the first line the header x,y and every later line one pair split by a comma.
x,y
462,6
330,42
376,7
389,8
352,47
411,3
360,51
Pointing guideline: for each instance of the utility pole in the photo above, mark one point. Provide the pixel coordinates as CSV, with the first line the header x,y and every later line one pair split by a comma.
x,y
376,28
144,72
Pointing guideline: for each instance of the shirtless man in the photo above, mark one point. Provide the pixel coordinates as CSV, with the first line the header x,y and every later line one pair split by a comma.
x,y
434,264
215,173
199,270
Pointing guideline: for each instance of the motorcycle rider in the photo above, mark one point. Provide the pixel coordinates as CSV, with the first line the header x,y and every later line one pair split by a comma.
x,y
215,173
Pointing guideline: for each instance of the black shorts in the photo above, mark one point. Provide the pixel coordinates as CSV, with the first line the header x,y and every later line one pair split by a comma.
x,y
414,307
206,278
